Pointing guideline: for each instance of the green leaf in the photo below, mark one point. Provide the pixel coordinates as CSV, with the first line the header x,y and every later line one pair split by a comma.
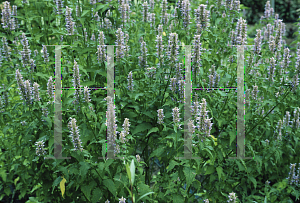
x,y
96,195
84,12
189,175
141,127
253,181
153,130
144,196
172,165
110,185
87,189
137,95
232,136
210,170
220,172
157,153
3,174
83,168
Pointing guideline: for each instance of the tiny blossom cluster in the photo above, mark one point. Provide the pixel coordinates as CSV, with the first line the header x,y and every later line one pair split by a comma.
x,y
111,123
203,122
160,116
202,17
86,94
59,6
232,197
196,54
36,94
292,178
69,21
7,21
101,55
144,53
185,6
164,12
130,81
272,69
138,158
74,134
173,48
257,42
76,82
159,46
254,92
6,49
145,11
268,10
120,44
176,118
45,54
214,77
151,72
40,148
26,50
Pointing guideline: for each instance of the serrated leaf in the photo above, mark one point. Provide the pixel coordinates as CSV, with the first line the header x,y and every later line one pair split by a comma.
x,y
96,195
87,189
253,181
157,152
83,168
189,175
110,185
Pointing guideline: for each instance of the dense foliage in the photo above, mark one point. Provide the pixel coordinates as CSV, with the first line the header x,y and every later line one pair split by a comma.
x,y
145,120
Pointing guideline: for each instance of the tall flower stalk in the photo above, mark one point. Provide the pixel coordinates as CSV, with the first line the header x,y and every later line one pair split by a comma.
x,y
74,134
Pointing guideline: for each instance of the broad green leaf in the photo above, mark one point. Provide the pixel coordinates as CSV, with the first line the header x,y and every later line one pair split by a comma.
x,y
110,185
220,172
87,189
210,170
172,164
96,195
189,175
83,168
3,174
155,129
84,12
157,153
141,127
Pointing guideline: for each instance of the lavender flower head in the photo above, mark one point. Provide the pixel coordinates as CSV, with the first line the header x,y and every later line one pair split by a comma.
x,y
26,50
86,94
45,54
76,82
176,117
130,81
50,89
160,116
74,134
40,148
36,95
